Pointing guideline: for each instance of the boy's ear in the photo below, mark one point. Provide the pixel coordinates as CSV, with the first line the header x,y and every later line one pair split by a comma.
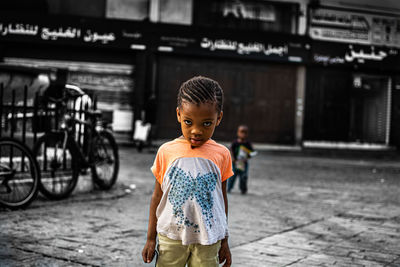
x,y
178,114
219,118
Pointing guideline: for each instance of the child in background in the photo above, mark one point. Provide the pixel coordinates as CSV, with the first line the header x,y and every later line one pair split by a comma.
x,y
189,205
241,150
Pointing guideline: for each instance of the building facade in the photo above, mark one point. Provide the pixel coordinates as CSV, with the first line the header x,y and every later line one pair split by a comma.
x,y
312,73
352,79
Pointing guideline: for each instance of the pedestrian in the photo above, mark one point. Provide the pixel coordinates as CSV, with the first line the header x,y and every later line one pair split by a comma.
x,y
241,150
189,204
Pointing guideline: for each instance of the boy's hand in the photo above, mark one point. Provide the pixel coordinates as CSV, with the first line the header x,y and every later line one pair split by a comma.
x,y
148,251
225,254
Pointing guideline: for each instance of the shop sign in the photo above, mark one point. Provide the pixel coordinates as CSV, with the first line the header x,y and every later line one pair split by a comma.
x,y
354,27
244,48
351,55
66,32
286,51
54,34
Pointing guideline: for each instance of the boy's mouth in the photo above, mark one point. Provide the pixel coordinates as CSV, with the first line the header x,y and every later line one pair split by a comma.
x,y
195,141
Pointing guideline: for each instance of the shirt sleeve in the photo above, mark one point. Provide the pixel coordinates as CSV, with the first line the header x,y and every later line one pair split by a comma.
x,y
227,168
157,168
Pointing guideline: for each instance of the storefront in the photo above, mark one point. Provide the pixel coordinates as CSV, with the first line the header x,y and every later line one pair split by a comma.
x,y
352,92
99,56
135,68
259,75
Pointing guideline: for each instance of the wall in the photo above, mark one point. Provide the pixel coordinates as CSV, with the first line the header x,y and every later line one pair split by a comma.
x,y
171,11
85,8
180,12
389,6
128,9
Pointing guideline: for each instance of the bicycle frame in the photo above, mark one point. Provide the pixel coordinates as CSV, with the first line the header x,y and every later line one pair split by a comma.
x,y
71,126
72,147
85,156
69,121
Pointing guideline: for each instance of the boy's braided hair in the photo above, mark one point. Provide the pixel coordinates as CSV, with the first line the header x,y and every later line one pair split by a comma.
x,y
199,90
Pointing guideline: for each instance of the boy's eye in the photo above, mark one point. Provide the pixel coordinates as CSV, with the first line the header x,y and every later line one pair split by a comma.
x,y
207,123
187,122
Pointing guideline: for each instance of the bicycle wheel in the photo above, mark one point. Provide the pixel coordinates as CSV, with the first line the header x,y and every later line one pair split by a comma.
x,y
106,160
59,168
19,174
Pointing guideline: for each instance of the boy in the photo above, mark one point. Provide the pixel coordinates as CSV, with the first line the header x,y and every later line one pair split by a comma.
x,y
189,205
241,150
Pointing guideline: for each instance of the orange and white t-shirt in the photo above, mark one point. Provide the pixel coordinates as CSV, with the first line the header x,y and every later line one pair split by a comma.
x,y
192,207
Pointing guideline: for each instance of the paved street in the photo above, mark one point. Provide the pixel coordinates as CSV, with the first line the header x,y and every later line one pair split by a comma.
x,y
300,211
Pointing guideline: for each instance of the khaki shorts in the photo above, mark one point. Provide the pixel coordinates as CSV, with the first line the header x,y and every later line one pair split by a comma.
x,y
173,253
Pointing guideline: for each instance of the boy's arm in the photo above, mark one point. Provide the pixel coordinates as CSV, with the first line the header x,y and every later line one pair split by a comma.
x,y
250,146
224,252
251,150
149,247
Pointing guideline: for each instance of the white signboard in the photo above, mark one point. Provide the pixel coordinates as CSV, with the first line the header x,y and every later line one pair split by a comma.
x,y
352,27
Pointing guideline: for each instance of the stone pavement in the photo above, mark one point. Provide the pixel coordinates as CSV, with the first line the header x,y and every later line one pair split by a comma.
x,y
300,211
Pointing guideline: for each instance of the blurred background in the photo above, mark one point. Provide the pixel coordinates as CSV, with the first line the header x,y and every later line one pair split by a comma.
x,y
303,73
319,77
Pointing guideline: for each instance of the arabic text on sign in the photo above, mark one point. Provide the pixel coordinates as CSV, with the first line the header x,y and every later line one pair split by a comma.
x,y
243,48
54,34
361,56
18,29
95,36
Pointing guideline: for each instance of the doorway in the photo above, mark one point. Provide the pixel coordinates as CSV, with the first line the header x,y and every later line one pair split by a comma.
x,y
370,109
259,94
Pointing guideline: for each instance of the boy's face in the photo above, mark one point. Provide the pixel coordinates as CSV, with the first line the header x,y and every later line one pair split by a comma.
x,y
198,121
242,132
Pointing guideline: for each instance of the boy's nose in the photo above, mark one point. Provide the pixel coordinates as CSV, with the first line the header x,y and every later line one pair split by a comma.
x,y
196,131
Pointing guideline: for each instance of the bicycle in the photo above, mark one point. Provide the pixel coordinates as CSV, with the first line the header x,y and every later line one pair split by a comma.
x,y
62,158
19,174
